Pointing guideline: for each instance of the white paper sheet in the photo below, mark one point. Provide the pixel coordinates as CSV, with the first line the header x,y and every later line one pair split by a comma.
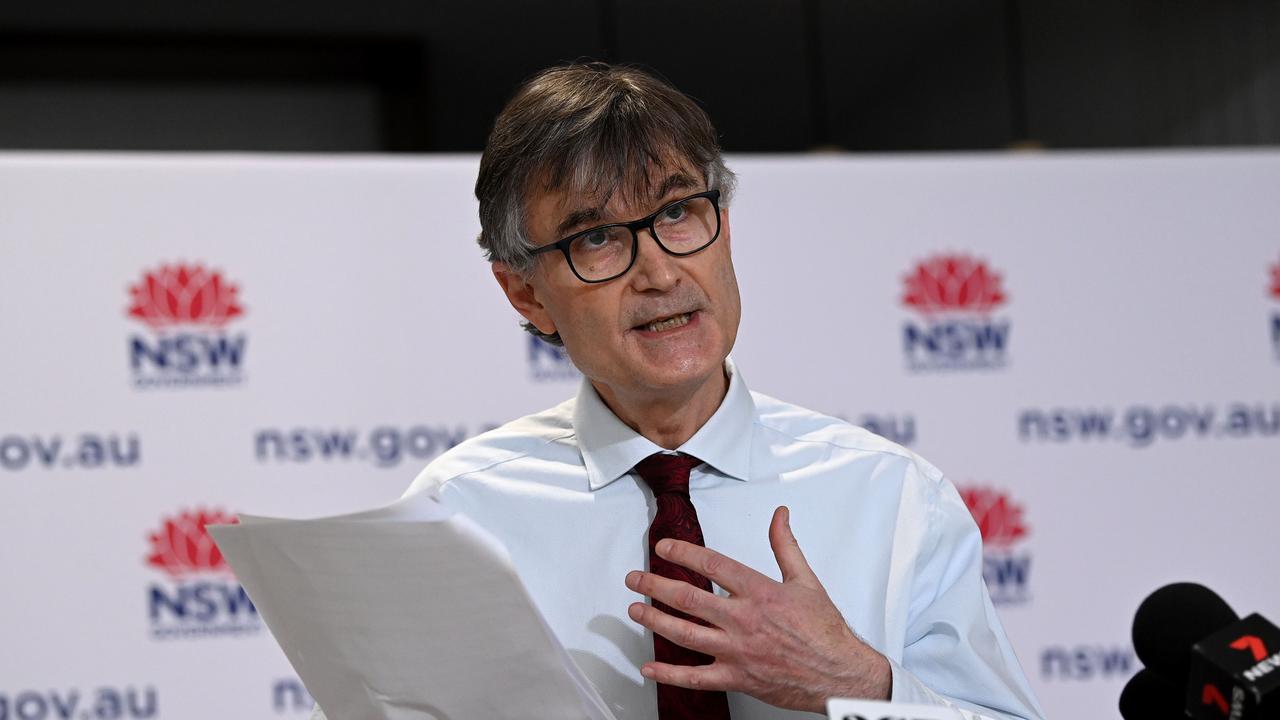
x,y
407,612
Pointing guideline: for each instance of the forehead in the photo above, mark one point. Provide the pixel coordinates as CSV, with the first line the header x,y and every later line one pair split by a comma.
x,y
584,197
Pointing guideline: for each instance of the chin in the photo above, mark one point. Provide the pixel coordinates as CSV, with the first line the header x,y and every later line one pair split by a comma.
x,y
685,371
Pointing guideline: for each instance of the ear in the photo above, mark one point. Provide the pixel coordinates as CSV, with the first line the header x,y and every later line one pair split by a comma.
x,y
523,297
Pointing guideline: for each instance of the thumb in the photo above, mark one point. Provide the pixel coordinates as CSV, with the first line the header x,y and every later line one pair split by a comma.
x,y
786,549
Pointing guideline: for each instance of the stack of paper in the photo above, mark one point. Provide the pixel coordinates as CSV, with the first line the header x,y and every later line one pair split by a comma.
x,y
409,611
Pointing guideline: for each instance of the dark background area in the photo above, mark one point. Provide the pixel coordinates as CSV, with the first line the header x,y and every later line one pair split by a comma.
x,y
776,75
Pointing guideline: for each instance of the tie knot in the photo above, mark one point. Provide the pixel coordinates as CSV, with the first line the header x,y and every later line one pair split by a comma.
x,y
666,472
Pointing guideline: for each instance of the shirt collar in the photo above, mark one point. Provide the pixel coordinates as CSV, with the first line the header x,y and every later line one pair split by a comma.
x,y
610,449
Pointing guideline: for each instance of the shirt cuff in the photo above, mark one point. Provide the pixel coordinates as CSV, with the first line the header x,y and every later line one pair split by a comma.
x,y
907,688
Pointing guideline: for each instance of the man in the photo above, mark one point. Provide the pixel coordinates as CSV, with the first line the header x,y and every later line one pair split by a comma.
x,y
604,212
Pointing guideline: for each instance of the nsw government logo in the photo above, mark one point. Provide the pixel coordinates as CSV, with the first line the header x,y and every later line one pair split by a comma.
x,y
1006,568
186,308
955,297
1275,315
198,597
549,363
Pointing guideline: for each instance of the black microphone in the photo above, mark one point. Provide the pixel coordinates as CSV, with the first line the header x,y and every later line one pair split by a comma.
x,y
1202,660
1148,696
1170,621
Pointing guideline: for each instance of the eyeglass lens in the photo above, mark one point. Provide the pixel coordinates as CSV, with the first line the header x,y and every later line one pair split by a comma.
x,y
682,228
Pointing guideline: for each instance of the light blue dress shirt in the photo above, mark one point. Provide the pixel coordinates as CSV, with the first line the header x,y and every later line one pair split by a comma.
x,y
888,536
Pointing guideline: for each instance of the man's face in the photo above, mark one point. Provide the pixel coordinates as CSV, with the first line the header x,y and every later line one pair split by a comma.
x,y
609,328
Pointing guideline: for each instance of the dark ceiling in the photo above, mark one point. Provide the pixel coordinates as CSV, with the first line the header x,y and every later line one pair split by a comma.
x,y
780,75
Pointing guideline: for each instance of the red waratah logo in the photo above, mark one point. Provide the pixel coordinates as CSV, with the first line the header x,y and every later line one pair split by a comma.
x,y
184,295
953,283
183,546
1275,281
999,518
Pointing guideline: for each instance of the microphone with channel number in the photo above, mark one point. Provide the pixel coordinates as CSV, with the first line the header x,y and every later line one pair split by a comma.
x,y
1202,661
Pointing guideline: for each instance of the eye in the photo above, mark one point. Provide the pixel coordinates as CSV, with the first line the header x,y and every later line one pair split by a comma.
x,y
595,238
674,213
598,241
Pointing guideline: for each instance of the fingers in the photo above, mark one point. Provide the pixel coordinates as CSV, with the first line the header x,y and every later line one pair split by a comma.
x,y
680,595
695,677
720,569
711,641
786,549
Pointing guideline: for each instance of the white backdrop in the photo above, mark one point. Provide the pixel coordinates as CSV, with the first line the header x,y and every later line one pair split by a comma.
x,y
1091,351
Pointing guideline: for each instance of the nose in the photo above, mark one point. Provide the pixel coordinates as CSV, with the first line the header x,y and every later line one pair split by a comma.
x,y
654,268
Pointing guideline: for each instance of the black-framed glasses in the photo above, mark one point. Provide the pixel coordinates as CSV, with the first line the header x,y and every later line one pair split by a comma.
x,y
680,228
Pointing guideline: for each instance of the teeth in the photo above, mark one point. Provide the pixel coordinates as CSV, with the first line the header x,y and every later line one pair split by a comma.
x,y
668,324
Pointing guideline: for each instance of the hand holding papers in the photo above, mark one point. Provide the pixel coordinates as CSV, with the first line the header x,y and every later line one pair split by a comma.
x,y
406,612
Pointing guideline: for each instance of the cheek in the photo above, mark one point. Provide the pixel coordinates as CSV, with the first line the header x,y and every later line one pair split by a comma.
x,y
585,319
730,281
558,296
591,343
731,326
728,284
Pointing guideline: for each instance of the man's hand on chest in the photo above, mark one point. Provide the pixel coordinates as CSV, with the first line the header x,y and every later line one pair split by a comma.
x,y
784,643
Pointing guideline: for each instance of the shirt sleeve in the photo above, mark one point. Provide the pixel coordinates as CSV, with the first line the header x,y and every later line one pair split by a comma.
x,y
955,652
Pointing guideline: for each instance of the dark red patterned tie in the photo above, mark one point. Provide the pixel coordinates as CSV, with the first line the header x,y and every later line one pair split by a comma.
x,y
668,476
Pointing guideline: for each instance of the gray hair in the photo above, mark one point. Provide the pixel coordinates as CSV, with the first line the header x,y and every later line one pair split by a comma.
x,y
591,129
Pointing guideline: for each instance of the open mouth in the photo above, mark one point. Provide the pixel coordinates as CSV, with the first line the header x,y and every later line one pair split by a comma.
x,y
667,323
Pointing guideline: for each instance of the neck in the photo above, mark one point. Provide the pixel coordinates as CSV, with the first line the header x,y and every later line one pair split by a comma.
x,y
668,420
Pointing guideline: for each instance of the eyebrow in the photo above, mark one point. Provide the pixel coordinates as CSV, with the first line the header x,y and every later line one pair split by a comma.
x,y
674,181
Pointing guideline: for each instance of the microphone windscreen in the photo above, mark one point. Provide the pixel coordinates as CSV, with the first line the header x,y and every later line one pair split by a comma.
x,y
1170,621
1148,696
